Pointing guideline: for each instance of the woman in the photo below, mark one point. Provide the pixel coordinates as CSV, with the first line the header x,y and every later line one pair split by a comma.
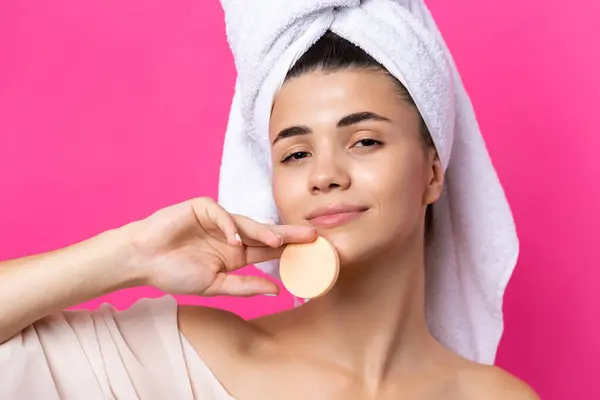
x,y
339,126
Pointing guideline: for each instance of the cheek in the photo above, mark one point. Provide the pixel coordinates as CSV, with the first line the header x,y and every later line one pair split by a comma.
x,y
394,176
396,184
289,190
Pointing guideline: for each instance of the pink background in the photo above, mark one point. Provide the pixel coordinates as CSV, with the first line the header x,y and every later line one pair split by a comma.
x,y
111,110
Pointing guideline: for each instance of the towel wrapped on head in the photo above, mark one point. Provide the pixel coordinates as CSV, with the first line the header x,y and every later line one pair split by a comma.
x,y
474,246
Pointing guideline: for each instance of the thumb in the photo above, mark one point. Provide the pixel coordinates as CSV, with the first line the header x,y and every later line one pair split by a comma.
x,y
240,286
255,255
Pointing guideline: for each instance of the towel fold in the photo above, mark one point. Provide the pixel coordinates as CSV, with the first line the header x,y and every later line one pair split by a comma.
x,y
474,246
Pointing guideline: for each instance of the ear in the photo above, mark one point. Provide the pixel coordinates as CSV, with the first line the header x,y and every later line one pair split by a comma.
x,y
435,177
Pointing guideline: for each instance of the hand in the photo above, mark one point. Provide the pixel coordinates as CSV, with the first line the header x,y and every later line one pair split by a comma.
x,y
191,248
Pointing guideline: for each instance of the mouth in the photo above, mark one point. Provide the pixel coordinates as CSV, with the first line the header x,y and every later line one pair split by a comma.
x,y
335,215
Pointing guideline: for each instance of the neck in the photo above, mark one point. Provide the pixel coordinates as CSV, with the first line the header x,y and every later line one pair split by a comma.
x,y
374,318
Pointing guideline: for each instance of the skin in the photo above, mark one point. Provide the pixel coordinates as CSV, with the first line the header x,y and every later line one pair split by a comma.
x,y
187,248
367,338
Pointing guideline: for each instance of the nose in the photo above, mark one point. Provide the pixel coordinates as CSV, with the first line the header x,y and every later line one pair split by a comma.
x,y
328,173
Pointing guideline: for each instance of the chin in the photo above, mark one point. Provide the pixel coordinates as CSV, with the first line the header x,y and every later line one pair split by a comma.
x,y
353,246
358,244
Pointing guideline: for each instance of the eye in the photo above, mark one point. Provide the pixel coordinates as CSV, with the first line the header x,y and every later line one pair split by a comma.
x,y
295,156
367,143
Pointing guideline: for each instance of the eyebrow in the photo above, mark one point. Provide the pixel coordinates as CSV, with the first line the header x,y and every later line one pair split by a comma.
x,y
347,120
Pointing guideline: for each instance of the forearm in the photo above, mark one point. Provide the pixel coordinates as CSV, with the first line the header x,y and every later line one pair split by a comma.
x,y
34,287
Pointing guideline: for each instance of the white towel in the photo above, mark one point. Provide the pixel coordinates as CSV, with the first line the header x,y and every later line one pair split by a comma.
x,y
475,247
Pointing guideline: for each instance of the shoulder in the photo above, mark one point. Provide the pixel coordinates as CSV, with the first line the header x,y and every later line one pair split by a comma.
x,y
222,340
493,383
210,329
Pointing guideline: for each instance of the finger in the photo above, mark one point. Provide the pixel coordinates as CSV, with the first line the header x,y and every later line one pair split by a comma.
x,y
254,233
213,212
242,286
295,233
262,253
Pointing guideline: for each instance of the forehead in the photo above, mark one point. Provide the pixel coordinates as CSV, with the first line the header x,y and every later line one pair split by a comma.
x,y
321,95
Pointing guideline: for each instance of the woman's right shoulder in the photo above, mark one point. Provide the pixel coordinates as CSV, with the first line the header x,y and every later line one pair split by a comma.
x,y
222,340
206,325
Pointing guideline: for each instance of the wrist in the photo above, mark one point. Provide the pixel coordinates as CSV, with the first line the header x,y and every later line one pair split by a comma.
x,y
119,244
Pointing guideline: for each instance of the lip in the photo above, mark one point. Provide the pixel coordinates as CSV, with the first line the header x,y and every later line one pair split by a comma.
x,y
335,215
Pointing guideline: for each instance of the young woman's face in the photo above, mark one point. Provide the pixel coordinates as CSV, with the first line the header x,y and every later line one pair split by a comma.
x,y
348,159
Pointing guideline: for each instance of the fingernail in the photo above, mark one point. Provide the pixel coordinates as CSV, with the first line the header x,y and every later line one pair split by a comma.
x,y
270,294
238,238
280,241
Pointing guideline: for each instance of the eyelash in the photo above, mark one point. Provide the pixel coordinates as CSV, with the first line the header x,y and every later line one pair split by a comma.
x,y
290,157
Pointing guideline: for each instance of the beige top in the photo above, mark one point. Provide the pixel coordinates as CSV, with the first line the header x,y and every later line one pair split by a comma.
x,y
137,353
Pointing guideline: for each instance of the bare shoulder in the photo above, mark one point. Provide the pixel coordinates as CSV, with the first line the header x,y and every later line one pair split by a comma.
x,y
206,325
493,383
221,339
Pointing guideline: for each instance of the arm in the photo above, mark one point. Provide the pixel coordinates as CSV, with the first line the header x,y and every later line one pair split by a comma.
x,y
188,248
36,286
